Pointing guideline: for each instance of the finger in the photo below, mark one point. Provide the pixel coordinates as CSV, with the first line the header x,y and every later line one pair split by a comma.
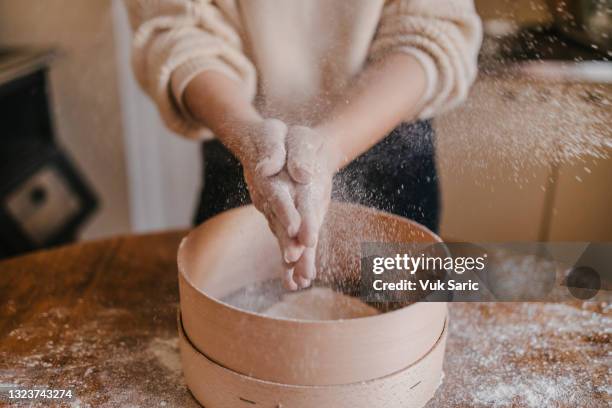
x,y
309,227
288,281
301,282
285,244
302,149
271,148
305,267
249,181
292,254
281,204
287,273
258,203
291,249
272,163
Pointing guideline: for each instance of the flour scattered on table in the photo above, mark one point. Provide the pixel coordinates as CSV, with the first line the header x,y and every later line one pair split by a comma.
x,y
166,352
527,355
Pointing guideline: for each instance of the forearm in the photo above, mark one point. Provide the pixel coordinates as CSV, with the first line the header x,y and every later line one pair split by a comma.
x,y
220,104
385,94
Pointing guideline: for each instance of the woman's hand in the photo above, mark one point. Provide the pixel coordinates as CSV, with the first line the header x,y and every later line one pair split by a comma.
x,y
311,165
261,150
351,128
259,144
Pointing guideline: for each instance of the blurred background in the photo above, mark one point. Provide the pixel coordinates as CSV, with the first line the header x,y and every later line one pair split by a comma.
x,y
84,154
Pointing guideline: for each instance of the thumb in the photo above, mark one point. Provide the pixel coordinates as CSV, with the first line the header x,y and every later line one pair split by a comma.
x,y
271,148
302,148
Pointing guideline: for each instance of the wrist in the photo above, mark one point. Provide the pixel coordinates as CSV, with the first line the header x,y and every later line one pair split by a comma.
x,y
237,134
258,140
219,103
333,155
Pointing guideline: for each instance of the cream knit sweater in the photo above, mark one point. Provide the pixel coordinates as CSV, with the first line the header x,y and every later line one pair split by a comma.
x,y
296,57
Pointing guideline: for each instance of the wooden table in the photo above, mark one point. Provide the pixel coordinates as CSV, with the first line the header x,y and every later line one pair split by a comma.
x,y
99,318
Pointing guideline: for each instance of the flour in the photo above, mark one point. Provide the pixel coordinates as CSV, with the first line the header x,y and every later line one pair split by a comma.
x,y
166,353
527,355
532,392
319,304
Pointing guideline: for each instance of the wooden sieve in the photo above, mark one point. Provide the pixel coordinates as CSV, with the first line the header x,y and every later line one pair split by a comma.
x,y
236,249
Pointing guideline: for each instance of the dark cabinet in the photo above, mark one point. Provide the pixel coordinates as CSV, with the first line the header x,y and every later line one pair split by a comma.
x,y
43,197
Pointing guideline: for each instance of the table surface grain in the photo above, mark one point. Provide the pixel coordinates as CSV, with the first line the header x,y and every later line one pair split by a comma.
x,y
99,318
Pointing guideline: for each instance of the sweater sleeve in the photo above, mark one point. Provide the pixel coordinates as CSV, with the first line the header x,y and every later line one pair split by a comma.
x,y
444,36
174,40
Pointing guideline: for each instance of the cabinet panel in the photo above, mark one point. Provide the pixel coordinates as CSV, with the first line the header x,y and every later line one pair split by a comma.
x,y
582,209
493,180
496,152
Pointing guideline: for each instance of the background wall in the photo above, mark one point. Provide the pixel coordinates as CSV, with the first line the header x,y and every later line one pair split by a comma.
x,y
146,178
163,169
85,93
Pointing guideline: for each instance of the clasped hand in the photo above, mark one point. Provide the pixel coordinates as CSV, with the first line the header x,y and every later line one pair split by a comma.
x,y
288,171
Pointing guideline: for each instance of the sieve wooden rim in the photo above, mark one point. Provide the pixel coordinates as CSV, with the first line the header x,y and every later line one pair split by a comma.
x,y
215,386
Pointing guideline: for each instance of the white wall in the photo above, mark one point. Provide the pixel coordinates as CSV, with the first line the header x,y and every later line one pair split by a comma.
x,y
146,178
85,93
163,169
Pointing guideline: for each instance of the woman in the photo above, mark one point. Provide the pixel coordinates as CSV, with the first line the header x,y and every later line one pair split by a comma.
x,y
305,97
